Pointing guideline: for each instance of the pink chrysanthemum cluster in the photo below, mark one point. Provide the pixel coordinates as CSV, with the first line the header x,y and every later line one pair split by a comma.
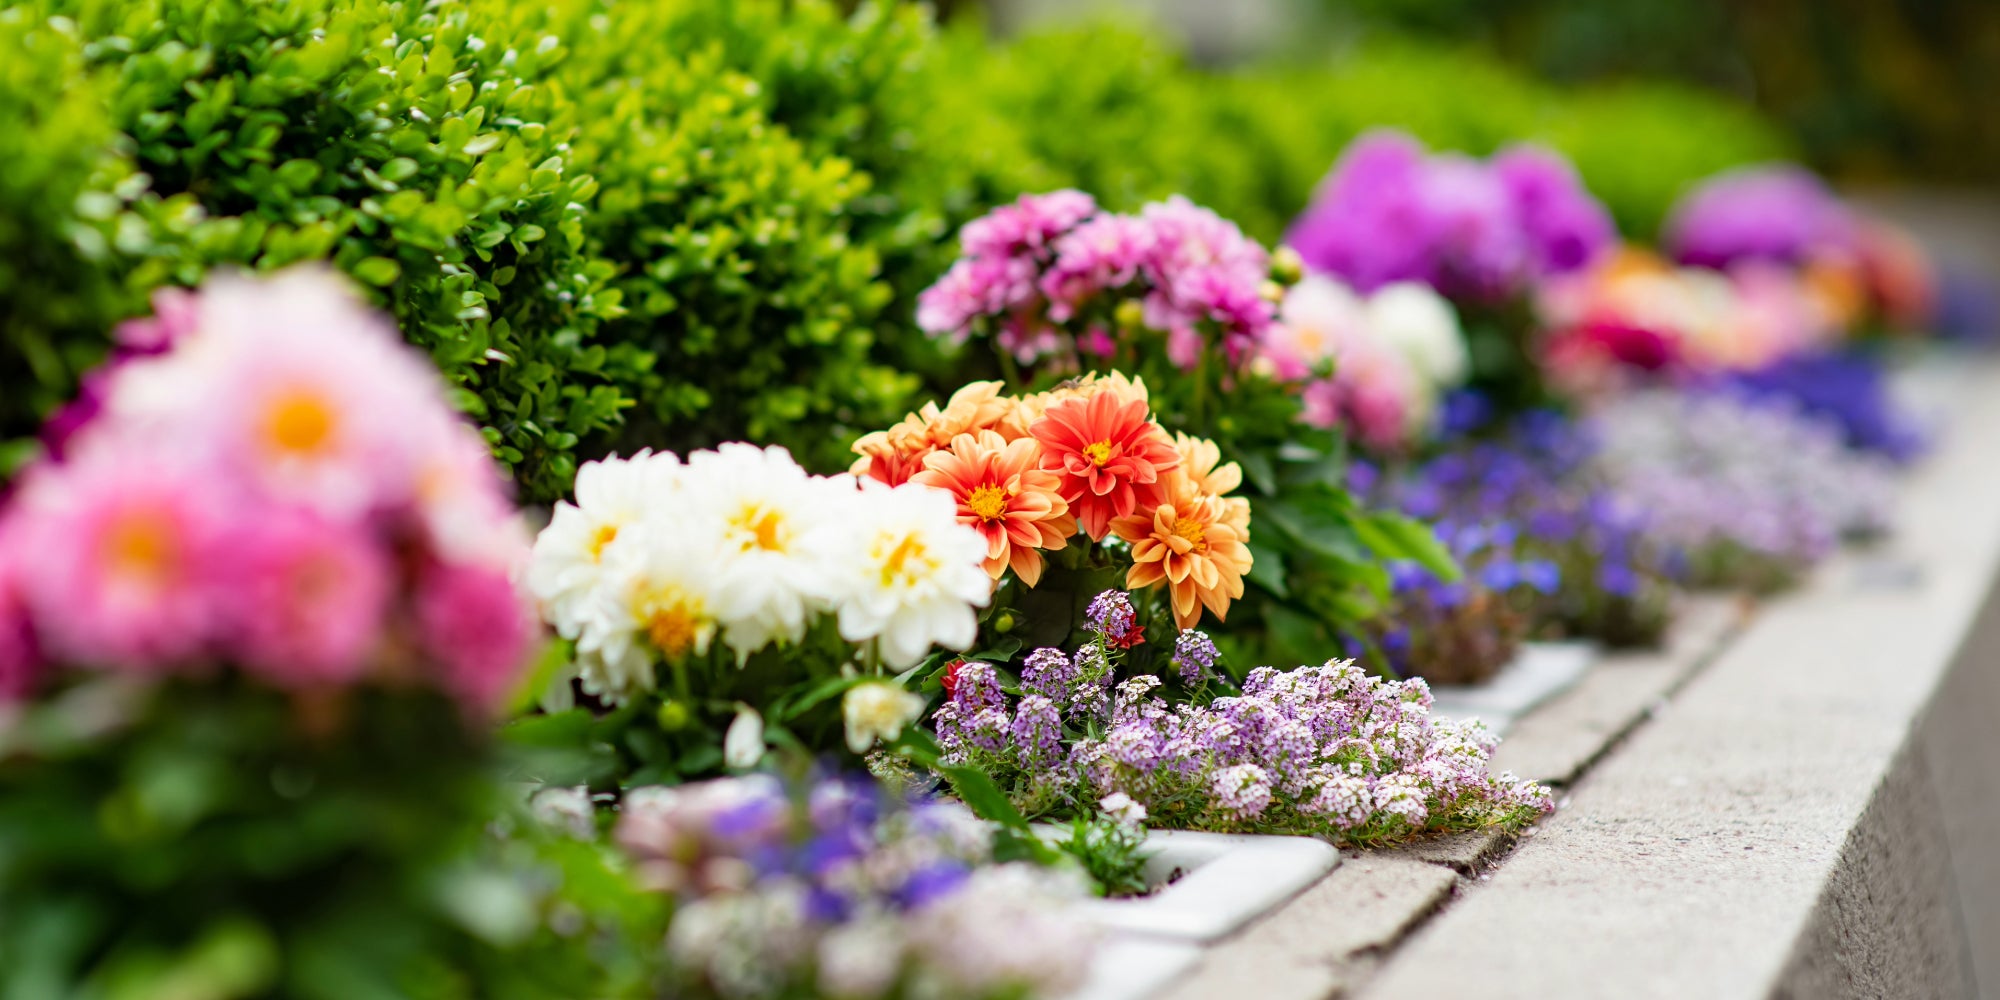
x,y
1048,273
276,482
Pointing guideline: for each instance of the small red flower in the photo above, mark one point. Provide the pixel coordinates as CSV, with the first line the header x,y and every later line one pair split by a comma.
x,y
951,677
1132,637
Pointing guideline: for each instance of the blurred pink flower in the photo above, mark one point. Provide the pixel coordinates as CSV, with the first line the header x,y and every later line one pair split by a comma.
x,y
20,661
1779,213
123,542
1027,226
308,596
1473,230
462,500
298,388
475,626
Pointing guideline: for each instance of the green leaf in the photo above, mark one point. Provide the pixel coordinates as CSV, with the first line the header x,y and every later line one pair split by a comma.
x,y
378,271
984,797
819,693
1267,569
1257,468
1396,536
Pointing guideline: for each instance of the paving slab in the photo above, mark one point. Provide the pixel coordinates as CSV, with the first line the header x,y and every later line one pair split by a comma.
x,y
1755,837
1314,946
1465,853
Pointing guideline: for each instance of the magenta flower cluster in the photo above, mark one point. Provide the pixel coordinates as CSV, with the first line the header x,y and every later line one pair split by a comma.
x,y
1474,230
1047,274
275,482
1777,213
1327,751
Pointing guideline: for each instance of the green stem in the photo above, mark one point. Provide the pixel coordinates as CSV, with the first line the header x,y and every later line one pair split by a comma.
x,y
1008,366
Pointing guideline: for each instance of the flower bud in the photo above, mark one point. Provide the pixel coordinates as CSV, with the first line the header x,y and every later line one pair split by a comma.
x,y
673,715
1130,314
1287,267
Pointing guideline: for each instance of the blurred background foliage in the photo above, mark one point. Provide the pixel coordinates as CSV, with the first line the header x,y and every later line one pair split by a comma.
x,y
1871,89
683,221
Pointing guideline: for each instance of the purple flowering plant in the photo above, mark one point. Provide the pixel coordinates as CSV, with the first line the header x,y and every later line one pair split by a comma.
x,y
1481,232
1460,631
1750,490
1779,213
841,887
1551,531
1849,389
1327,751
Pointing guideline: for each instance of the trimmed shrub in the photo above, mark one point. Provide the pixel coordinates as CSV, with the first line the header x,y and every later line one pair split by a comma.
x,y
741,275
407,144
444,155
56,142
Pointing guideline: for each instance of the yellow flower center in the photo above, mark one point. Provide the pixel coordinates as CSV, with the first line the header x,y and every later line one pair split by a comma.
x,y
987,502
1098,452
673,619
300,422
603,536
1193,531
906,561
141,546
761,527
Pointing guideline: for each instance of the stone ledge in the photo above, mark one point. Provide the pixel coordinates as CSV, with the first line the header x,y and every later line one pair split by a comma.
x,y
1323,941
1810,816
1559,740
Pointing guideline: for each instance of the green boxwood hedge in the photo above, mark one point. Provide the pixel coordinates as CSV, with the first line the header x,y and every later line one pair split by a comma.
x,y
510,179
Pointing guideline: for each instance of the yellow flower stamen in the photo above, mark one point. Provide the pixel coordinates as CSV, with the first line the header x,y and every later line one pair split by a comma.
x,y
141,546
906,561
987,502
1193,531
673,619
603,536
762,526
1099,452
299,423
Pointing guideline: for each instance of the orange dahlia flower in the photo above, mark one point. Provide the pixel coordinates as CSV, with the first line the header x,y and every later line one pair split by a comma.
x,y
896,454
1004,496
1201,463
1196,545
1030,408
1110,456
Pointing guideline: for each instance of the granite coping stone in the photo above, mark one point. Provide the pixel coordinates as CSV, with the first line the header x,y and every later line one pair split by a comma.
x,y
1722,797
1780,828
1558,740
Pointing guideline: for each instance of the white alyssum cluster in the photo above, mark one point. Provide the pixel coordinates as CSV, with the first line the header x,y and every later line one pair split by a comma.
x,y
657,559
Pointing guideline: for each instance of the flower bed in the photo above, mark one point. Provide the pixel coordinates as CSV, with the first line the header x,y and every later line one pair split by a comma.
x,y
1203,541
